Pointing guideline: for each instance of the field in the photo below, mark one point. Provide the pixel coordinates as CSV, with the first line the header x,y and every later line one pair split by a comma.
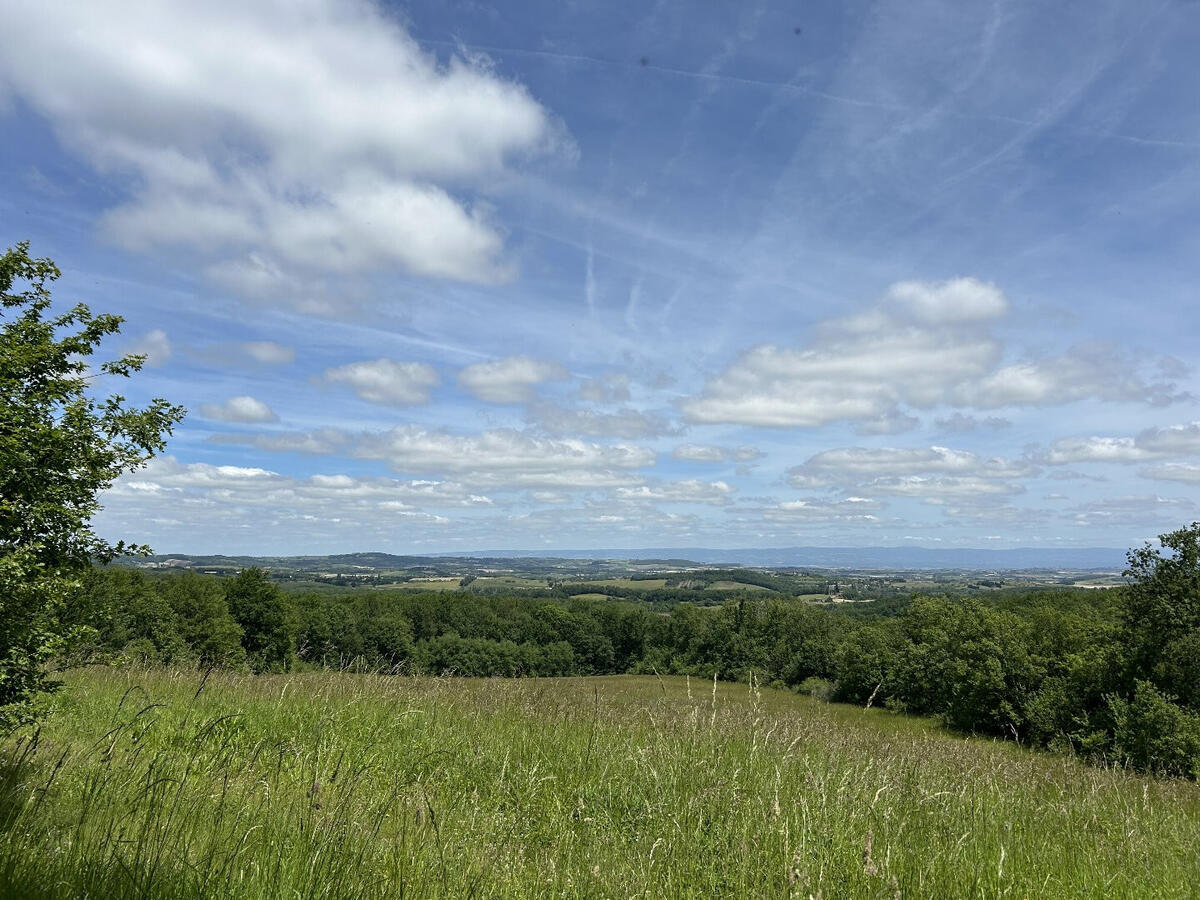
x,y
739,586
454,583
631,584
154,784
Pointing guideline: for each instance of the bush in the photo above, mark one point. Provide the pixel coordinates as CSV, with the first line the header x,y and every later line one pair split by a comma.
x,y
1153,734
818,688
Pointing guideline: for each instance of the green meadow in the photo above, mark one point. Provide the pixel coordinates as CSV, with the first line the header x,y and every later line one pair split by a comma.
x,y
157,784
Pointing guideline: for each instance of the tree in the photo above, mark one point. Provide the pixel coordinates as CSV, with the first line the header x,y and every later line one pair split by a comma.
x,y
60,446
1162,606
268,620
203,619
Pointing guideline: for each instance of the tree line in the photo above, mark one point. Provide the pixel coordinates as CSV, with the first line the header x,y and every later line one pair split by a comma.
x,y
1110,675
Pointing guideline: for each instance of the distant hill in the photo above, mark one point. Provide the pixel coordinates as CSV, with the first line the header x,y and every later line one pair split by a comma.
x,y
891,558
883,558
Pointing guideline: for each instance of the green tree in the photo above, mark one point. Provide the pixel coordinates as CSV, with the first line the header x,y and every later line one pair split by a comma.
x,y
268,619
59,447
203,619
1162,604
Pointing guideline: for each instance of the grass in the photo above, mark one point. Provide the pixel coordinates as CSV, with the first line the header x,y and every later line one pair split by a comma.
x,y
454,583
152,784
631,584
739,586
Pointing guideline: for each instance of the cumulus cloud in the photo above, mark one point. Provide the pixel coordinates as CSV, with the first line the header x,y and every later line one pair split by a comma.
x,y
154,345
509,380
235,502
811,510
1186,473
941,489
913,347
282,137
924,344
861,464
687,491
386,381
1085,371
624,422
507,457
935,475
243,409
1151,443
607,389
1132,510
1095,449
892,422
228,506
257,486
320,441
268,353
713,454
958,422
1174,440
501,459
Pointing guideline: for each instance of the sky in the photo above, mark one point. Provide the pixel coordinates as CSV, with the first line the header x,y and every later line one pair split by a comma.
x,y
457,276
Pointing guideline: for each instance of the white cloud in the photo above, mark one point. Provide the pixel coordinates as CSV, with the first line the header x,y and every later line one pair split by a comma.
x,y
851,509
229,503
1174,440
548,497
862,464
268,353
939,489
507,457
1152,443
1095,449
608,389
310,137
925,344
709,453
624,422
320,441
1132,510
239,409
154,345
958,422
386,381
1186,473
1084,371
501,459
912,348
509,380
688,491
892,422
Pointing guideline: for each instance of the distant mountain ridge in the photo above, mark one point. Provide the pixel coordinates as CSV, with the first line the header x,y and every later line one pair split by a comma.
x,y
892,558
886,558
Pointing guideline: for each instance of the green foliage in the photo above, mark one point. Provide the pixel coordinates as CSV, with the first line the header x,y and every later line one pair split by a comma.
x,y
267,619
203,620
866,663
320,785
1046,668
1162,604
59,447
966,663
1154,734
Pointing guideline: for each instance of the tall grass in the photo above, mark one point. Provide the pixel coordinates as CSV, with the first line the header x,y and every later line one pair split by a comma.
x,y
152,784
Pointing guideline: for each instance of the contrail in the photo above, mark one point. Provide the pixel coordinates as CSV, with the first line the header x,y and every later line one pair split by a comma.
x,y
801,90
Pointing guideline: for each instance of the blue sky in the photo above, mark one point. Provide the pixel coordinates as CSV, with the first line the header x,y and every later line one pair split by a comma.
x,y
456,276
